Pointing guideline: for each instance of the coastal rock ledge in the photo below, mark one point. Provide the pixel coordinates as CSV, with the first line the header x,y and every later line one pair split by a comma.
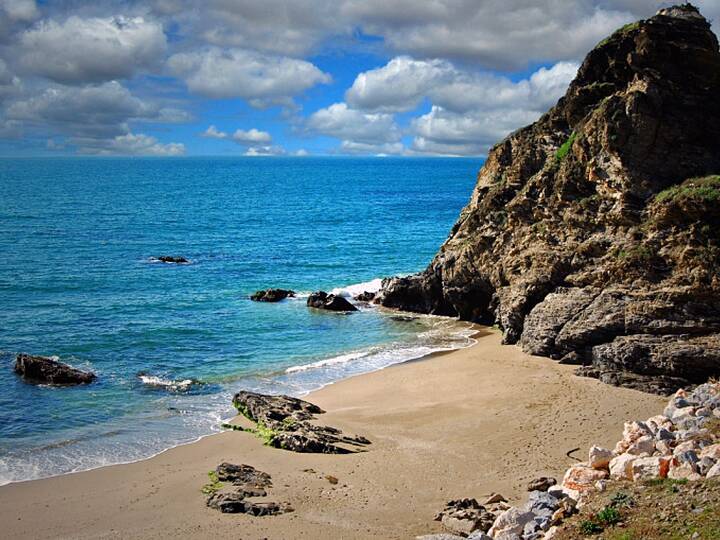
x,y
592,235
41,369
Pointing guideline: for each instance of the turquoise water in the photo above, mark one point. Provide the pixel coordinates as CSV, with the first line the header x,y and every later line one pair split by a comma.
x,y
77,280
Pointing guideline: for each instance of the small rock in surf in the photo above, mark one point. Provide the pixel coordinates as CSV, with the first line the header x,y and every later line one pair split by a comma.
x,y
272,295
329,302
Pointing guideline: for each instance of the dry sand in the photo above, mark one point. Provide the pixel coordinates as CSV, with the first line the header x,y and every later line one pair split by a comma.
x,y
462,424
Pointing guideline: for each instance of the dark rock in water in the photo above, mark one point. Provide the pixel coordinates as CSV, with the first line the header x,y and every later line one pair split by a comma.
x,y
247,482
272,295
593,234
42,369
365,296
284,422
541,484
464,516
329,302
172,260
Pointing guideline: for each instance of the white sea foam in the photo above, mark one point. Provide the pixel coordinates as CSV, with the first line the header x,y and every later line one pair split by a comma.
x,y
152,380
353,290
343,358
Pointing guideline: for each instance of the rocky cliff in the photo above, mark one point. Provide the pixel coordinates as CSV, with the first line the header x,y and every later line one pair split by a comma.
x,y
592,235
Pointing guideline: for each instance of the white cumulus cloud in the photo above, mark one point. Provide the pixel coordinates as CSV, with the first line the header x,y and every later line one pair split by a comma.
x,y
240,136
129,144
259,78
91,50
338,120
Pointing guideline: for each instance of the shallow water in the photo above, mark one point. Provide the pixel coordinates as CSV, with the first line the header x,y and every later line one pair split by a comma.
x,y
171,343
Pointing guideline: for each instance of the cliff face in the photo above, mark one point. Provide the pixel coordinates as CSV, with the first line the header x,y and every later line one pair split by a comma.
x,y
593,235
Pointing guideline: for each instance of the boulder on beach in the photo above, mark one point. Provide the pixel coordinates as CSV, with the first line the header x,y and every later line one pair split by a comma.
x,y
42,369
284,422
271,295
329,302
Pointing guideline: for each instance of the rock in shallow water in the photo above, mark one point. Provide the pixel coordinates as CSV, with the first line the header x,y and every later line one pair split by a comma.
x,y
329,302
41,369
271,295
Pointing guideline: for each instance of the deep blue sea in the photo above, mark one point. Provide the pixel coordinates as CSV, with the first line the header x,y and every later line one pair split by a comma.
x,y
77,281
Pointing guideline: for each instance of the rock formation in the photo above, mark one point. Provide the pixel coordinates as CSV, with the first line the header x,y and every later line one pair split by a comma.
x,y
171,259
329,302
284,422
593,234
41,369
271,295
245,482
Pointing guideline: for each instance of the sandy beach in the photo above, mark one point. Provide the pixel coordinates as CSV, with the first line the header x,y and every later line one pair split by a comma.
x,y
484,419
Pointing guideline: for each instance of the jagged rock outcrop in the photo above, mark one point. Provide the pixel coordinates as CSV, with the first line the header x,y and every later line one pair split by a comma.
x,y
284,422
41,369
601,220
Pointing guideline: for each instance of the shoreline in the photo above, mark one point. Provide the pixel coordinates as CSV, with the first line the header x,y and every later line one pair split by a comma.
x,y
434,424
480,331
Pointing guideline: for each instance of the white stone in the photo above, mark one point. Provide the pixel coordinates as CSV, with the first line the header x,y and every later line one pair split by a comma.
x,y
599,458
683,471
643,445
581,477
714,471
712,451
511,521
685,446
646,468
621,467
664,448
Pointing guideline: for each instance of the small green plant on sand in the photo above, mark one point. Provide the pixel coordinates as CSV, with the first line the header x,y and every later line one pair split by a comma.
x,y
214,485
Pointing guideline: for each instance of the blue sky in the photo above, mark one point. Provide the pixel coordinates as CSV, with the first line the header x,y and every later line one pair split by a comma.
x,y
282,77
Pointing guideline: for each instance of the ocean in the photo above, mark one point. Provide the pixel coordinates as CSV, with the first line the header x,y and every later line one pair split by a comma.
x,y
172,343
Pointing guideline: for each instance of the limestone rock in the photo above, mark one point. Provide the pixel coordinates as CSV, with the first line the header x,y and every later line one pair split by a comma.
x,y
599,458
41,369
645,468
582,477
621,467
512,521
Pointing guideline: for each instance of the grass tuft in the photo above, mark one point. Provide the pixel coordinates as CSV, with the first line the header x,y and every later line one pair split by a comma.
x,y
565,148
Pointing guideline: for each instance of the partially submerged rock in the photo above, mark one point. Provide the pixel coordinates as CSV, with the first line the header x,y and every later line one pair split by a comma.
x,y
171,259
41,369
329,302
284,422
365,296
271,295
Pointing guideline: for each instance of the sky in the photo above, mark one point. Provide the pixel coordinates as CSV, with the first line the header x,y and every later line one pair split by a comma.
x,y
290,77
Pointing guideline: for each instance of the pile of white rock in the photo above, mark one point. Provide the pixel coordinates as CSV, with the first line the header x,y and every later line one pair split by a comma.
x,y
676,444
